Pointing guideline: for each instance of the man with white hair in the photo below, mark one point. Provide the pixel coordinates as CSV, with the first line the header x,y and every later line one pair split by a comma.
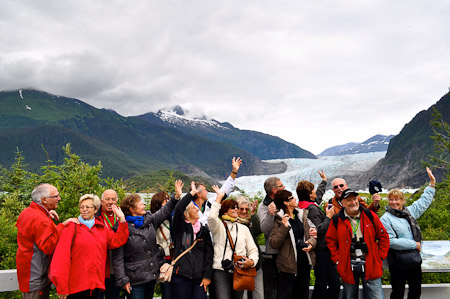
x,y
37,237
106,214
339,185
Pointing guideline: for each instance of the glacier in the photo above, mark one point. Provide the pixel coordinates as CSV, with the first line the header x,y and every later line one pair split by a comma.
x,y
307,169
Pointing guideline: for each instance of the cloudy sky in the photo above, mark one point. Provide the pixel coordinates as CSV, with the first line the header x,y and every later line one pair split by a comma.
x,y
315,73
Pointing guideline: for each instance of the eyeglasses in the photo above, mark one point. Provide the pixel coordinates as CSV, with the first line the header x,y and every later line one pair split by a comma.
x,y
86,208
337,186
244,209
113,199
54,196
234,208
290,198
279,186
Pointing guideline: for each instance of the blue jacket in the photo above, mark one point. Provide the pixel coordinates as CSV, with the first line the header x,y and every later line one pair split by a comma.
x,y
404,238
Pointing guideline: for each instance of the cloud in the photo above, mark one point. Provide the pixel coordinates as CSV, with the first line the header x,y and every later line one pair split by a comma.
x,y
317,74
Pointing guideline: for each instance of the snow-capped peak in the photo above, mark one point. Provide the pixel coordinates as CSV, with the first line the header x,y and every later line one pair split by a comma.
x,y
177,116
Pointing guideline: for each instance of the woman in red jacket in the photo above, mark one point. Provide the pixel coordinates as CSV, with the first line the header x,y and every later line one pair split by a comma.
x,y
78,264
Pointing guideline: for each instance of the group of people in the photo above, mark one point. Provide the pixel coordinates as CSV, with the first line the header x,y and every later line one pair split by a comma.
x,y
108,249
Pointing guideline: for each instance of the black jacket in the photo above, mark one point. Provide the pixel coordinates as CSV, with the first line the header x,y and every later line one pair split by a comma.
x,y
139,260
197,263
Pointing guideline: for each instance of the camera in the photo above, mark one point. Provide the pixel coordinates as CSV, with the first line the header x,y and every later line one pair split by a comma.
x,y
301,244
242,260
227,265
358,246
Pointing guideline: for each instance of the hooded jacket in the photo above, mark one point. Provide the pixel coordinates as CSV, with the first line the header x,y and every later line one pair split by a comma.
x,y
79,260
37,237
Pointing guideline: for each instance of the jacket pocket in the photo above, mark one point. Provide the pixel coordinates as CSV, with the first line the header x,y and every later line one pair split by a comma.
x,y
137,271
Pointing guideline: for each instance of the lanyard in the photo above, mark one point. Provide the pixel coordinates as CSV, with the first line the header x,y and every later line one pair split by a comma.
x,y
355,229
107,219
200,208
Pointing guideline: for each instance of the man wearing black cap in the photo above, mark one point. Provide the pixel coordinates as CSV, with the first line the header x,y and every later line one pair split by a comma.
x,y
358,244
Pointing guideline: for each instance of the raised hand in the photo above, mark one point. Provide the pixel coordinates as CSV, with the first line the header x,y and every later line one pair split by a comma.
x,y
322,175
253,207
194,190
236,164
118,213
178,188
220,194
376,199
431,176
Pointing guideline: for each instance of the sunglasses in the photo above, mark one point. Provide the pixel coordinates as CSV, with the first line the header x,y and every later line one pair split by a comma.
x,y
234,208
337,186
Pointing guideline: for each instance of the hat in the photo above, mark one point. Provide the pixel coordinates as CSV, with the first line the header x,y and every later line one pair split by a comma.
x,y
348,193
374,187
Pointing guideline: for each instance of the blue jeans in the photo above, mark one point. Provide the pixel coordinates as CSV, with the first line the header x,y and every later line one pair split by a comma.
x,y
185,288
143,291
372,289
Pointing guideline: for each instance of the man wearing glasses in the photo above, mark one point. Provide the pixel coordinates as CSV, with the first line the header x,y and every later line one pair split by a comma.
x,y
37,237
266,214
107,216
339,185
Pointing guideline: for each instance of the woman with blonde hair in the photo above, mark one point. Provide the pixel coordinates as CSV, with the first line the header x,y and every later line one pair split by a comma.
x,y
406,239
192,272
78,265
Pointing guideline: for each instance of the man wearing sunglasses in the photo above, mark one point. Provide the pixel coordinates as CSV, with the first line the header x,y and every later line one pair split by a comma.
x,y
339,185
37,236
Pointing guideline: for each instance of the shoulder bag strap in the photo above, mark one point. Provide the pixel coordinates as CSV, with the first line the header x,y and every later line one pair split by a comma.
x,y
230,239
184,252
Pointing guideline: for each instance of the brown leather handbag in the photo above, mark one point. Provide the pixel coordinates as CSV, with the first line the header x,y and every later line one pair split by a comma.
x,y
243,278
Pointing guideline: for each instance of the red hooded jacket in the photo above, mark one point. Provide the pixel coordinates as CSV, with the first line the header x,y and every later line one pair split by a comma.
x,y
79,261
37,237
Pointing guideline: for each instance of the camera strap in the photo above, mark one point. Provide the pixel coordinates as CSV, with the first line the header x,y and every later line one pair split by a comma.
x,y
229,239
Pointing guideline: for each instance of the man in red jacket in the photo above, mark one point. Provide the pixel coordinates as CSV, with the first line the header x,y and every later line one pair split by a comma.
x,y
37,236
358,244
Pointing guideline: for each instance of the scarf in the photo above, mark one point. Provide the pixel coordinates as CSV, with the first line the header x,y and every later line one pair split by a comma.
x,y
245,221
226,217
136,220
303,204
88,223
415,228
196,227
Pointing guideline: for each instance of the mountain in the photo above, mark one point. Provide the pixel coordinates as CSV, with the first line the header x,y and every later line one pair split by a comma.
x,y
261,145
32,120
402,165
377,143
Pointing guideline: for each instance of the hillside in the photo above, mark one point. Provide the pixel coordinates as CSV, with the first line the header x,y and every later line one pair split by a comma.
x,y
30,119
402,164
377,143
261,145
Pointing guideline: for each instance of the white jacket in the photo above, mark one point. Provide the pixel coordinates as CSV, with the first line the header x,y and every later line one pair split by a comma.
x,y
245,245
